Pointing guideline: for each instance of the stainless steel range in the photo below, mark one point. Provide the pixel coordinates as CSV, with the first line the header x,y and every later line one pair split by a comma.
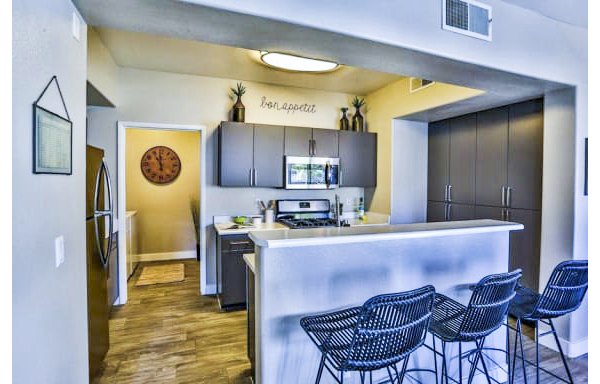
x,y
298,214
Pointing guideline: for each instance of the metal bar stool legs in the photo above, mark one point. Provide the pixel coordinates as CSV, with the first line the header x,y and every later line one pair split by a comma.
x,y
538,368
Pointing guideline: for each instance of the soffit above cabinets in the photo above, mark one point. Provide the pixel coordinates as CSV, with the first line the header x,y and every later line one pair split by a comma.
x,y
159,53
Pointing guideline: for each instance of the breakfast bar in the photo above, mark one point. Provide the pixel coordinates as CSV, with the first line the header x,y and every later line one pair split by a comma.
x,y
298,273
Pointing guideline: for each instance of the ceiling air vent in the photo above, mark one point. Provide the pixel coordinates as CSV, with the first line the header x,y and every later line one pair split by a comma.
x,y
417,84
468,17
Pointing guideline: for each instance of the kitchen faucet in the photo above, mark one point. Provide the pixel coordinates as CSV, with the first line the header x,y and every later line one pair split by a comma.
x,y
337,211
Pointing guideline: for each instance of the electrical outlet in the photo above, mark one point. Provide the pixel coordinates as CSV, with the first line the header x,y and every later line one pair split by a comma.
x,y
59,250
76,26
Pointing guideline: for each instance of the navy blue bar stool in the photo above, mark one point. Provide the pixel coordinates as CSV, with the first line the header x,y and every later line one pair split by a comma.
x,y
563,294
486,312
384,331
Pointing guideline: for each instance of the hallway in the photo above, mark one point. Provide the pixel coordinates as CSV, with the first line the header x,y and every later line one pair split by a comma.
x,y
168,333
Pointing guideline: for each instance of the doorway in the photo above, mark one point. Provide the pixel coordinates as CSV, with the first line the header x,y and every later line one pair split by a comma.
x,y
161,224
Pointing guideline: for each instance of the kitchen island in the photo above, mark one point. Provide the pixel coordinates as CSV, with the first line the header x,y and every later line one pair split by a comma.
x,y
302,272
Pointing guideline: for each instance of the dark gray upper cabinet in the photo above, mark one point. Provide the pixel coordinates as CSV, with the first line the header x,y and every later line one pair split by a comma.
x,y
325,142
235,154
298,141
463,142
268,156
358,159
525,155
492,156
438,160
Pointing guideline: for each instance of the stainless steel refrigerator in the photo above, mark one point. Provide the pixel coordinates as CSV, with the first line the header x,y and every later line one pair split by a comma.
x,y
99,217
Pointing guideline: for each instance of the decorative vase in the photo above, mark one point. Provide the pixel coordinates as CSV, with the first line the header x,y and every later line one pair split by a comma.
x,y
358,121
239,111
344,122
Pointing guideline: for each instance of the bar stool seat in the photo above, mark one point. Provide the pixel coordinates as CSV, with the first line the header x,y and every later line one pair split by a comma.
x,y
524,302
563,294
454,322
381,333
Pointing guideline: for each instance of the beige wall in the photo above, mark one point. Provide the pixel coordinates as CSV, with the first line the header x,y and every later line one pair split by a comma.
x,y
394,101
170,98
101,67
163,211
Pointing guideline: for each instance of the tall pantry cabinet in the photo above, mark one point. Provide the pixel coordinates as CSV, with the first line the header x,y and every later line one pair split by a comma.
x,y
495,156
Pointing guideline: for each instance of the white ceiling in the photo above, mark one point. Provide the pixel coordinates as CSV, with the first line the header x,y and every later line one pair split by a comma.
x,y
573,12
160,53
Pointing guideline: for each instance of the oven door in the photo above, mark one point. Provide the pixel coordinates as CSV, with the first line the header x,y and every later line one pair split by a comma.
x,y
297,172
323,173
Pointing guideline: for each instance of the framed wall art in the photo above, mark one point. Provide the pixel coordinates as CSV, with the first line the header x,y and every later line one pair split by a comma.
x,y
52,139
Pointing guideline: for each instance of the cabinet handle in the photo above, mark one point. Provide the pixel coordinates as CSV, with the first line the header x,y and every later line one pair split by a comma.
x,y
239,243
508,197
503,197
250,176
449,193
310,150
446,193
314,147
449,216
255,175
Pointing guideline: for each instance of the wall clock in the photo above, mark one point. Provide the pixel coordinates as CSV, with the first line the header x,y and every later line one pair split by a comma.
x,y
160,165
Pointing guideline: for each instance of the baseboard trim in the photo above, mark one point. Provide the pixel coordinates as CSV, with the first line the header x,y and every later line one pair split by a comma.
x,y
165,256
570,348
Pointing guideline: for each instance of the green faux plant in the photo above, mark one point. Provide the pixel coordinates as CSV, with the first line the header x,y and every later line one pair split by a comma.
x,y
358,102
239,90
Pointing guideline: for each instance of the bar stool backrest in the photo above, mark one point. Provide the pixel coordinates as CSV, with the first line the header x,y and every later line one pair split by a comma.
x,y
390,327
488,305
565,290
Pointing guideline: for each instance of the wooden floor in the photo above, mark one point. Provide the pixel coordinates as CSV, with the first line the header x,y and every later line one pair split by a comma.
x,y
168,333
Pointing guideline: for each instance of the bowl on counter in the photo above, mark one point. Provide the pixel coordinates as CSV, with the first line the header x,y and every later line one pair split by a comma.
x,y
240,219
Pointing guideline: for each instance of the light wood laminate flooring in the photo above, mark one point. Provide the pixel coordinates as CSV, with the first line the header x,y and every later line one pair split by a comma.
x,y
168,333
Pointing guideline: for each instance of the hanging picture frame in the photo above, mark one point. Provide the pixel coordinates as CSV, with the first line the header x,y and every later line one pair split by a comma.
x,y
52,138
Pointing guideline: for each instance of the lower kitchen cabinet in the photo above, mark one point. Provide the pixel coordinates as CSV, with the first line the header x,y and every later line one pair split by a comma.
x,y
460,212
231,270
436,211
525,244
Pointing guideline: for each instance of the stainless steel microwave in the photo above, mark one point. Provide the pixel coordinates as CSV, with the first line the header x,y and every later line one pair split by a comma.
x,y
311,172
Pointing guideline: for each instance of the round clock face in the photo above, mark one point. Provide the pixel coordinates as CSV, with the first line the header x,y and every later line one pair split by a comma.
x,y
160,165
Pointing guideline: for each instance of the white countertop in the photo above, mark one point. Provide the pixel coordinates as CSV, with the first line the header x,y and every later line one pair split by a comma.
x,y
359,234
223,228
250,259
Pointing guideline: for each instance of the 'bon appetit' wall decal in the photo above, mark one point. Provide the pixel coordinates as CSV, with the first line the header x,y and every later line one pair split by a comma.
x,y
287,107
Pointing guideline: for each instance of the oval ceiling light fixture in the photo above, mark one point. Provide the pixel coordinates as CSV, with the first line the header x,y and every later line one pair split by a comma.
x,y
296,63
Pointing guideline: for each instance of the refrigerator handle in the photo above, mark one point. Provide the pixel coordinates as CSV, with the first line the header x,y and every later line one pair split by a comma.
x,y
110,212
103,171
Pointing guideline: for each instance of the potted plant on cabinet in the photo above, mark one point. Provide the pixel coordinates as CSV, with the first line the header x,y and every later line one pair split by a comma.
x,y
358,121
239,111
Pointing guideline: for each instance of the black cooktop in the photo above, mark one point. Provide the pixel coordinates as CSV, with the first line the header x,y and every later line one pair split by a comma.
x,y
308,223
